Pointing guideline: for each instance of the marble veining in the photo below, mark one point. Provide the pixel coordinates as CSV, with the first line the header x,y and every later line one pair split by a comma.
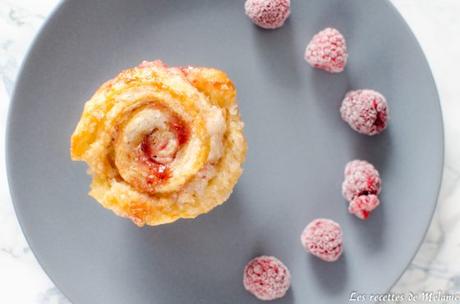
x,y
435,267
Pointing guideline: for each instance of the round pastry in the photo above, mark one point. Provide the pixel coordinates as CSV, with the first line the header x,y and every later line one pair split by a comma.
x,y
323,239
267,278
361,187
366,111
327,51
162,143
268,14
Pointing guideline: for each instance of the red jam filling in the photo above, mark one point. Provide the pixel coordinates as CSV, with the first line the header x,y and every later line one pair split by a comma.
x,y
150,147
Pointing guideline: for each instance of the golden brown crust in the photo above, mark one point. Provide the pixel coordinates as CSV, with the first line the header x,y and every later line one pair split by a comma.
x,y
107,137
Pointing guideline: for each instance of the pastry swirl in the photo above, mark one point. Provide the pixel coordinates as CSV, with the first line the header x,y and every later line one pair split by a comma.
x,y
162,143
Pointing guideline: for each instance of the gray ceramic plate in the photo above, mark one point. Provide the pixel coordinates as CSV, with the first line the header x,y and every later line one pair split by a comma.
x,y
298,147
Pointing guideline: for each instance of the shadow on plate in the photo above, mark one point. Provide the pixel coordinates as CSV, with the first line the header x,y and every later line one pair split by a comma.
x,y
204,257
377,150
371,231
279,56
332,276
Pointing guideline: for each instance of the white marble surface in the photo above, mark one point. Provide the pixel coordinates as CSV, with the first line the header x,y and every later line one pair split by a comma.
x,y
436,23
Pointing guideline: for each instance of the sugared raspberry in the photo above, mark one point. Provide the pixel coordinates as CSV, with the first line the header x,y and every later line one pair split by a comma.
x,y
323,238
362,205
267,278
268,14
366,111
327,51
361,187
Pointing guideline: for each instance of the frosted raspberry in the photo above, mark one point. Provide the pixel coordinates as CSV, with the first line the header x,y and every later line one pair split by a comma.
x,y
327,51
362,205
366,111
267,278
268,14
361,187
323,238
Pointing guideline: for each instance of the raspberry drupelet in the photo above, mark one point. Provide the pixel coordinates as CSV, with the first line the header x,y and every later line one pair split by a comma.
x,y
366,111
361,188
327,51
323,239
267,278
268,14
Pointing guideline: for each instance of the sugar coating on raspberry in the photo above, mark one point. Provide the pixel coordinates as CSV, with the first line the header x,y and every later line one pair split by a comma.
x,y
366,111
362,205
267,278
323,238
268,14
327,51
361,187
361,178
